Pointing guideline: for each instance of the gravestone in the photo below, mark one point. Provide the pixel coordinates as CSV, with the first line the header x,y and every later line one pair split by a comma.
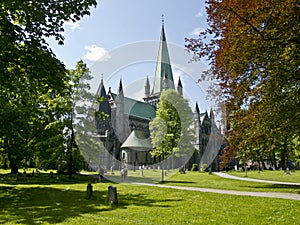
x,y
287,171
89,191
112,195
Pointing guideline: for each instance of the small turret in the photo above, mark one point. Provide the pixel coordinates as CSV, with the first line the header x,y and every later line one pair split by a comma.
x,y
197,125
212,116
179,87
147,88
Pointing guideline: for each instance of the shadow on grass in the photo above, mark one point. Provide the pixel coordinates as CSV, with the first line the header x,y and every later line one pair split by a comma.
x,y
132,179
44,179
277,186
36,205
46,204
177,182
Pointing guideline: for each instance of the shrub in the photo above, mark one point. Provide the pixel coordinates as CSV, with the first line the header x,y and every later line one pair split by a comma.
x,y
195,167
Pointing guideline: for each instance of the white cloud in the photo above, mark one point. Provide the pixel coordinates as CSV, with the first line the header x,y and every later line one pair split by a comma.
x,y
199,14
96,53
196,31
72,25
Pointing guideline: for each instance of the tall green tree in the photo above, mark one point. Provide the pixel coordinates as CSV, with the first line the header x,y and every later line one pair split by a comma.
x,y
253,48
171,131
78,106
32,80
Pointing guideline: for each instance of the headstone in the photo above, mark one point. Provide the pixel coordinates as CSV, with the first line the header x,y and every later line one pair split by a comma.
x,y
112,195
141,171
124,173
287,171
101,173
89,191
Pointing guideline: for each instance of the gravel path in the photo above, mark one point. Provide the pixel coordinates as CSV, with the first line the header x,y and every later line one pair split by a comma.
x,y
233,192
225,175
230,192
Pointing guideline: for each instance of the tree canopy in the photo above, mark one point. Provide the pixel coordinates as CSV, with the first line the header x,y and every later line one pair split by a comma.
x,y
33,81
171,131
253,49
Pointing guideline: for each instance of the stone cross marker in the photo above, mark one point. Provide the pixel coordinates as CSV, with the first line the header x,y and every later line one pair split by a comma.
x,y
112,195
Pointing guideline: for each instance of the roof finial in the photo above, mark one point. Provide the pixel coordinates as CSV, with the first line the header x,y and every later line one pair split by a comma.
x,y
162,19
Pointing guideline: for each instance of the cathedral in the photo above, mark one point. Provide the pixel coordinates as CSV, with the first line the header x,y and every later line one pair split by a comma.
x,y
125,133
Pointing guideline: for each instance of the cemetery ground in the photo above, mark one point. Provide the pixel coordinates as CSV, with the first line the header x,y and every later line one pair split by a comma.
x,y
58,199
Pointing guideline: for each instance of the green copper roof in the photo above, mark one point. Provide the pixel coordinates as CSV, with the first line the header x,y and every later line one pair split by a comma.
x,y
138,141
163,66
136,108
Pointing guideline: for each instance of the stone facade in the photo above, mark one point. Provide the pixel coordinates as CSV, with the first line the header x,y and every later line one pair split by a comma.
x,y
129,118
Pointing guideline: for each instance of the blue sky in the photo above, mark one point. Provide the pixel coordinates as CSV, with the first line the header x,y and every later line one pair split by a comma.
x,y
116,25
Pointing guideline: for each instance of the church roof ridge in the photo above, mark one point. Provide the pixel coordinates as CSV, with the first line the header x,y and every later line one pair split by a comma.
x,y
137,108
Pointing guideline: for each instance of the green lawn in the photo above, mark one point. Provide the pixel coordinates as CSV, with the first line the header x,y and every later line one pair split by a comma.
x,y
204,180
61,200
270,175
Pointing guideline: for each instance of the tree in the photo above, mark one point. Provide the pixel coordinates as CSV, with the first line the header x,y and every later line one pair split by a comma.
x,y
253,51
78,106
33,82
171,131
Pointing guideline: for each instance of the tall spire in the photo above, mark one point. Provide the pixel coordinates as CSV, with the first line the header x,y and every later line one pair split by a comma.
x,y
163,65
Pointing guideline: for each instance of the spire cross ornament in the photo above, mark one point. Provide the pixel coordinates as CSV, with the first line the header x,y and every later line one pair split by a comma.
x,y
162,19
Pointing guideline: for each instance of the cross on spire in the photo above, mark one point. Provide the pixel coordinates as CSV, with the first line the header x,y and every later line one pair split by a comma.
x,y
162,19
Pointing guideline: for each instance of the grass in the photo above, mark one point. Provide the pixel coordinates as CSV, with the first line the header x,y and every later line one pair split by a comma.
x,y
61,200
204,180
270,175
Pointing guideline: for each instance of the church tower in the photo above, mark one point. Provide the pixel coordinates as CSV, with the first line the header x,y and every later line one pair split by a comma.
x,y
163,78
104,107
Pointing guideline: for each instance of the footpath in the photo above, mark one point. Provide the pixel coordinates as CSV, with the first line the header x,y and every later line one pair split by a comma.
x,y
233,192
225,175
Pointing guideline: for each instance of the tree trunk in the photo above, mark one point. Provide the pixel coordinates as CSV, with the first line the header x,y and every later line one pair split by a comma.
x,y
13,168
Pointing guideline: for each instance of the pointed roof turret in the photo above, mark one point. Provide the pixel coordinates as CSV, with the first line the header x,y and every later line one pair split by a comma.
x,y
197,111
179,87
163,65
103,105
120,86
147,88
101,90
120,92
211,115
